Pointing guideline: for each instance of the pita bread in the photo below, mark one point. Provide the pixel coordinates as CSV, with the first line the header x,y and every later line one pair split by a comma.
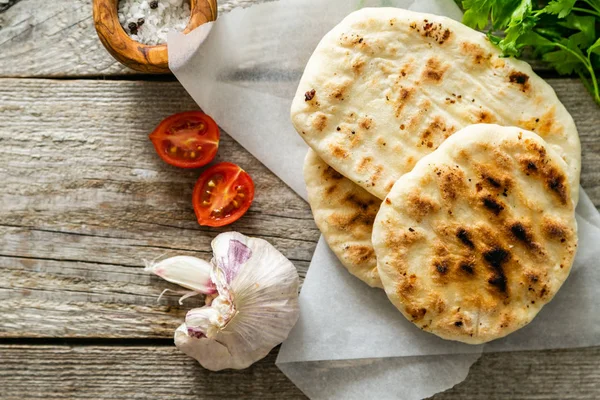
x,y
344,213
387,86
479,236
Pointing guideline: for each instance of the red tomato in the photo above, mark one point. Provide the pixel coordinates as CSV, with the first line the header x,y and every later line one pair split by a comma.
x,y
186,140
222,194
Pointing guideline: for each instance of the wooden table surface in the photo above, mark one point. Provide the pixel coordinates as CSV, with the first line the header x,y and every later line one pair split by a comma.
x,y
84,199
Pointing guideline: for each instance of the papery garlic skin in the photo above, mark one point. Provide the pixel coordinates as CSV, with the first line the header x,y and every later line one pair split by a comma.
x,y
256,308
189,272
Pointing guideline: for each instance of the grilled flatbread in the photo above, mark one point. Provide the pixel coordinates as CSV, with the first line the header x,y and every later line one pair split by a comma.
x,y
479,235
387,86
344,213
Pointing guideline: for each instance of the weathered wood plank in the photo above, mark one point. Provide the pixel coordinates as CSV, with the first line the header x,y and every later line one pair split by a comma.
x,y
57,39
85,199
115,372
65,372
41,38
556,374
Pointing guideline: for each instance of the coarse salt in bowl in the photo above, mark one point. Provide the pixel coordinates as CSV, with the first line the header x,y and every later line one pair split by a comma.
x,y
149,21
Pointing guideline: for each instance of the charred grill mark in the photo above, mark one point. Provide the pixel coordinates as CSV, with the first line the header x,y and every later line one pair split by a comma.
x,y
420,206
468,268
360,253
346,223
319,122
544,124
330,173
496,257
442,267
491,204
521,79
463,236
493,182
416,313
433,30
358,66
405,93
403,97
537,165
520,232
554,230
445,36
434,70
331,189
451,182
377,174
485,117
476,52
338,152
535,147
364,163
356,202
556,183
365,123
499,281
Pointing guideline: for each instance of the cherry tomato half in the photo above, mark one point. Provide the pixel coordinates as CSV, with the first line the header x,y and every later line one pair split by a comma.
x,y
186,140
222,194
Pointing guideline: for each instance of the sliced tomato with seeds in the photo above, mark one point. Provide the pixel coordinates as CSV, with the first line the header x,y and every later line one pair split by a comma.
x,y
222,194
186,140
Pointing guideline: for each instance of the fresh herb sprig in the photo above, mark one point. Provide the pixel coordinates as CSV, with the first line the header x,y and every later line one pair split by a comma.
x,y
560,32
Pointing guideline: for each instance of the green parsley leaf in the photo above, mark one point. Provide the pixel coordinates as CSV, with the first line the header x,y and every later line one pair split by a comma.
x,y
477,11
567,59
595,48
520,21
586,27
559,7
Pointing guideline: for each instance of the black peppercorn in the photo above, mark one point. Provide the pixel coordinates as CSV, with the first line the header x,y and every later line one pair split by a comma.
x,y
132,27
140,22
154,4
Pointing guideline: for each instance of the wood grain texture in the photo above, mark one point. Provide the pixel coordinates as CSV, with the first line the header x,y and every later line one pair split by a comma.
x,y
85,199
116,372
58,39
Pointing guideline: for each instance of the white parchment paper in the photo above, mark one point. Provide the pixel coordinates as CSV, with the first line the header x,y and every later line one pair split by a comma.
x,y
350,342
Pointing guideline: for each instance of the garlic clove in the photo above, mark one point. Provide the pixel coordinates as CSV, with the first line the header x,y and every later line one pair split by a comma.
x,y
205,321
210,354
230,252
256,308
215,355
188,272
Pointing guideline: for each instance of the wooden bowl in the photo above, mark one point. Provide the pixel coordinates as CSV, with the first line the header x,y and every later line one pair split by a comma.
x,y
135,55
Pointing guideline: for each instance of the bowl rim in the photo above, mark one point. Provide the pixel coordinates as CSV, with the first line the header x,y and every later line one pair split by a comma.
x,y
136,55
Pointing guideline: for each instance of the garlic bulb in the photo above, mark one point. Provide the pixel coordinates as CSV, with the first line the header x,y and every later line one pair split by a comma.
x,y
254,311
